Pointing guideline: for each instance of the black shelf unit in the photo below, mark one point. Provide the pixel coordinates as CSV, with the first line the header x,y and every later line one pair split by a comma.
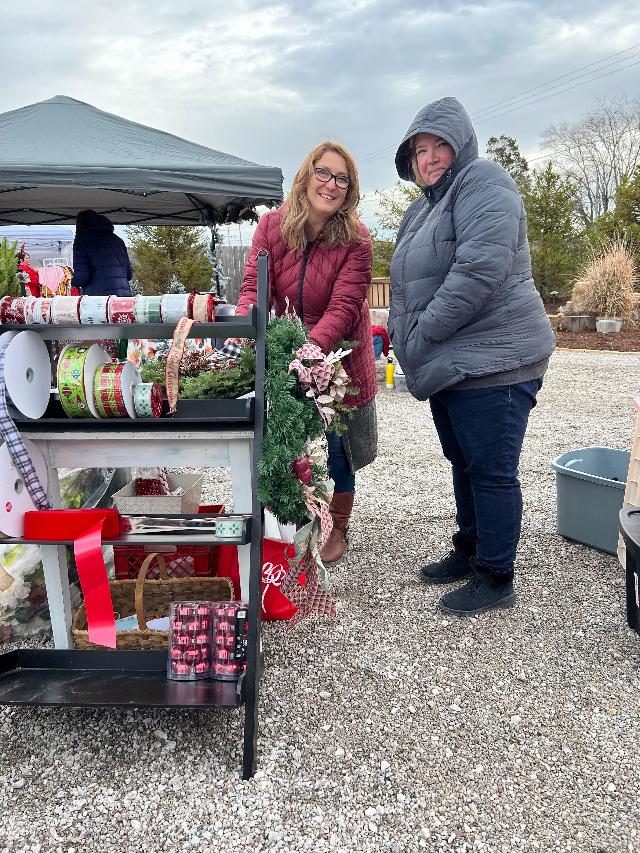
x,y
138,679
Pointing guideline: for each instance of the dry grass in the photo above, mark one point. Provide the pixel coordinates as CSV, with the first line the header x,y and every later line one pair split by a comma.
x,y
606,285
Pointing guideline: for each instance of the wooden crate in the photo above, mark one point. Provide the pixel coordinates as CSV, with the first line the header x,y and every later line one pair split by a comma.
x,y
379,295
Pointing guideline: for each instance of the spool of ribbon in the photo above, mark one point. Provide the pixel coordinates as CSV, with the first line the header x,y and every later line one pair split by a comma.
x,y
12,310
77,367
122,309
174,306
27,372
39,311
12,438
147,399
86,528
107,391
65,310
147,309
93,309
15,498
203,309
172,370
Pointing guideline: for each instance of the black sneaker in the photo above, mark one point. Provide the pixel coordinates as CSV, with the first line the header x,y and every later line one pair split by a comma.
x,y
485,591
455,566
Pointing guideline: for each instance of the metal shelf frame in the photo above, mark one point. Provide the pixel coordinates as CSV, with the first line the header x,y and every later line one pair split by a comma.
x,y
69,677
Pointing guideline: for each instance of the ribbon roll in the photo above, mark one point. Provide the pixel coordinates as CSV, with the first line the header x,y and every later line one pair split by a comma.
x,y
147,309
203,309
93,309
147,399
65,310
107,391
39,311
12,310
172,370
13,440
15,499
174,306
77,367
27,372
122,309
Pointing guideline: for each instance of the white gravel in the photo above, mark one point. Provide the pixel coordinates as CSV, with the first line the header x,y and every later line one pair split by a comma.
x,y
390,728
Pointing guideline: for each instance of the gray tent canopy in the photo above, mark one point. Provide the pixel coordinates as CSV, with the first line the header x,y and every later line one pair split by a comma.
x,y
61,156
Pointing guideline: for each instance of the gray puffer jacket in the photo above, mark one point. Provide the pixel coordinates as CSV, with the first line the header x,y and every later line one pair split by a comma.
x,y
463,303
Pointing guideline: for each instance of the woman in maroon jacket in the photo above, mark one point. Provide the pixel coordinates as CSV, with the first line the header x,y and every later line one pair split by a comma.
x,y
320,267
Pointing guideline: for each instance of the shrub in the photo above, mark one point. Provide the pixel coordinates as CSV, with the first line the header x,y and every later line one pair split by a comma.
x,y
606,285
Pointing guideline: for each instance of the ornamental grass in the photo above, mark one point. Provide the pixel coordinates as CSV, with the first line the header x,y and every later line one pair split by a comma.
x,y
606,286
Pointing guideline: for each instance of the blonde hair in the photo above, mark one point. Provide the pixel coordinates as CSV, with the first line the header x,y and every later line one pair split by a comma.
x,y
417,179
343,227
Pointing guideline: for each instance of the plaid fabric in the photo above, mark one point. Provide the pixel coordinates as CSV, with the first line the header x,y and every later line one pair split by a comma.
x,y
16,448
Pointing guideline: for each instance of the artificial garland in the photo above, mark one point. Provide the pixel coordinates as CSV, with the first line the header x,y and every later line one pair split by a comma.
x,y
198,381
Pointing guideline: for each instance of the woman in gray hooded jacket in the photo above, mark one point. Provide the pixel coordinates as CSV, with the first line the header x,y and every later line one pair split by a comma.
x,y
471,334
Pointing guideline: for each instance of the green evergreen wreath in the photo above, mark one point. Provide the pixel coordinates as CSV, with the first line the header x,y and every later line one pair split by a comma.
x,y
292,418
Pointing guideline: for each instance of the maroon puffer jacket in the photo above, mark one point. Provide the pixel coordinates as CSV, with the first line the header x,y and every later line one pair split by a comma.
x,y
334,295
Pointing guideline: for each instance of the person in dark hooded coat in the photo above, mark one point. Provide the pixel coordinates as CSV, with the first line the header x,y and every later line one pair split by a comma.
x,y
101,265
471,334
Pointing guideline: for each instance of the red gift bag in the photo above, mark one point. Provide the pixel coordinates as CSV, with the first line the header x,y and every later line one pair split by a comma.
x,y
275,605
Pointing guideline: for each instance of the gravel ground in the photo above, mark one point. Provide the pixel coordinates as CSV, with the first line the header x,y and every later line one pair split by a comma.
x,y
390,728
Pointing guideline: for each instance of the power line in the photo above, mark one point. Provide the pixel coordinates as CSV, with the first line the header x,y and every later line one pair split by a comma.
x,y
479,119
561,77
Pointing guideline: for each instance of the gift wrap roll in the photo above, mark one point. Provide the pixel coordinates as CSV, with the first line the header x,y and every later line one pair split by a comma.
x,y
203,310
93,309
77,367
27,372
122,309
147,309
174,306
147,399
14,497
65,310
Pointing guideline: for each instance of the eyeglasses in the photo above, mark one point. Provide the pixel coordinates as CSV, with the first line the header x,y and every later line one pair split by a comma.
x,y
324,176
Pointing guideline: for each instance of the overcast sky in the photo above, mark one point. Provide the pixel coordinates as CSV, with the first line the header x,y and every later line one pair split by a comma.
x,y
268,81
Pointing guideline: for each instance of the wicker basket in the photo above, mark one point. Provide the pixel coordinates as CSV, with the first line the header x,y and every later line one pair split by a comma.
x,y
150,599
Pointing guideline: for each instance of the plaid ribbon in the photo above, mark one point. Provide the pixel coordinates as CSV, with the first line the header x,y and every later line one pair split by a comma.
x,y
15,445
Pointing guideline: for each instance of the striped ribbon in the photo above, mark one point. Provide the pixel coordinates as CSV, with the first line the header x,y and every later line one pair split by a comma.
x,y
15,445
172,371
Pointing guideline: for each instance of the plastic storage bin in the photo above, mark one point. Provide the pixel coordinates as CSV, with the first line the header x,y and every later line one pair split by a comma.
x,y
590,486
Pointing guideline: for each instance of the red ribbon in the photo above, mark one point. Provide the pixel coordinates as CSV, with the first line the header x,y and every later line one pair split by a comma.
x,y
92,574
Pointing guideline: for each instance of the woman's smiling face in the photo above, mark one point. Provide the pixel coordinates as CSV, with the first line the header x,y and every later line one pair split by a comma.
x,y
326,199
433,156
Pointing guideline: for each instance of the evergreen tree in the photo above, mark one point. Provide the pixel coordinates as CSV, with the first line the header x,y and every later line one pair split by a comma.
x,y
504,150
176,286
557,246
627,212
165,251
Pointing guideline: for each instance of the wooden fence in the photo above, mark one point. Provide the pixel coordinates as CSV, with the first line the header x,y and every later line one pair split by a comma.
x,y
233,259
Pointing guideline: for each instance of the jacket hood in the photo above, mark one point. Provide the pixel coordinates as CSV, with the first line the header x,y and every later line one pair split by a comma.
x,y
96,222
448,119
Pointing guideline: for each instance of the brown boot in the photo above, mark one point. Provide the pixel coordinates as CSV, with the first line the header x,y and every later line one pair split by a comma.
x,y
340,509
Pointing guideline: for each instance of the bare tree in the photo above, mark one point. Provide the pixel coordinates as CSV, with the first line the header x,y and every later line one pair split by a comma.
x,y
598,151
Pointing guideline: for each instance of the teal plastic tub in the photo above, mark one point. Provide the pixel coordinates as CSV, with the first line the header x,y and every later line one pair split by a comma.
x,y
590,485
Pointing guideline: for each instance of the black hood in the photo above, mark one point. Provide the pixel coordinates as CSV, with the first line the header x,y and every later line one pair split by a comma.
x,y
96,222
448,119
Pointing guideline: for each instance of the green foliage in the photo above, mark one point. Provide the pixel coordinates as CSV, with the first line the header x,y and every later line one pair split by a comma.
x,y
160,253
293,417
212,384
504,150
557,246
9,284
382,253
393,204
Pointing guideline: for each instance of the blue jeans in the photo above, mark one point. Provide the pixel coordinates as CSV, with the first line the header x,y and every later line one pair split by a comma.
x,y
378,346
344,479
481,431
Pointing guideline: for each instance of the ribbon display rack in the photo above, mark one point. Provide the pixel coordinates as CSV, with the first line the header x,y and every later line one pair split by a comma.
x,y
232,438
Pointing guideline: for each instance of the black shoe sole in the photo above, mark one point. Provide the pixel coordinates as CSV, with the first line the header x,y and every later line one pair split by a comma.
x,y
503,604
450,579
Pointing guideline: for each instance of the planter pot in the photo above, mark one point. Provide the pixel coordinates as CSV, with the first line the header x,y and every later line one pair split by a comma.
x,y
608,324
580,323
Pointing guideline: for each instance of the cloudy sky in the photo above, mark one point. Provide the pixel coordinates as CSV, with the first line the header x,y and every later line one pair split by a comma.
x,y
267,81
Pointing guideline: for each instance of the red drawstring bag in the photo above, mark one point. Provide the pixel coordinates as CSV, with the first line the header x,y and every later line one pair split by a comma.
x,y
275,605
